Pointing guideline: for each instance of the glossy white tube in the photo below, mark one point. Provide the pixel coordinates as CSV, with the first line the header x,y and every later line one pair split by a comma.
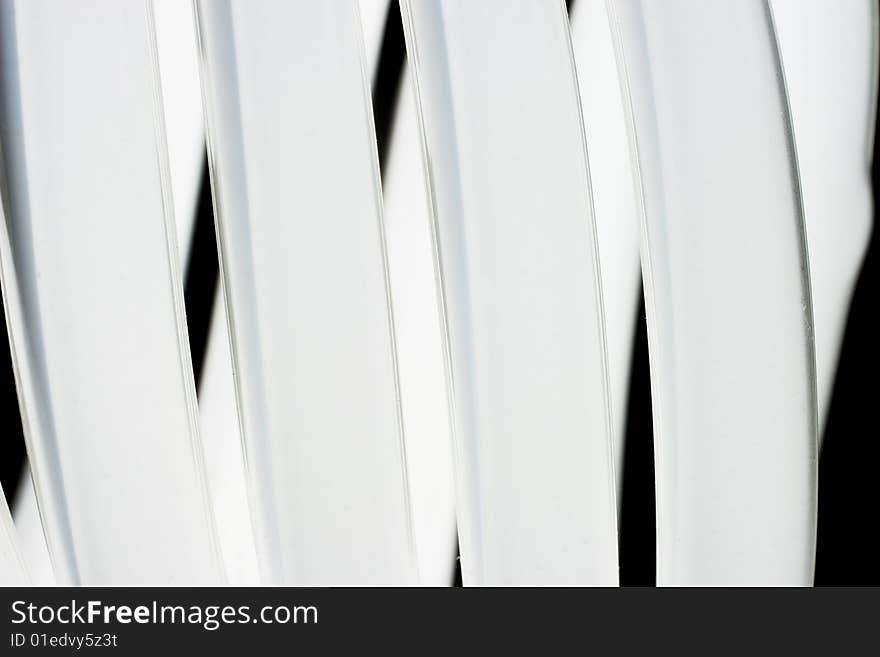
x,y
617,219
419,346
177,51
516,261
303,263
829,51
416,321
94,299
177,48
727,292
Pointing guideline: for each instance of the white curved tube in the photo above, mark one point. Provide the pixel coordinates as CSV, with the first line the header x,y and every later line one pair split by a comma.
x,y
177,51
303,265
829,52
108,405
419,346
727,292
516,260
617,219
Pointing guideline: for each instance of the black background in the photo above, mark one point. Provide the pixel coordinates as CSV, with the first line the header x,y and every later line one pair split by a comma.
x,y
848,550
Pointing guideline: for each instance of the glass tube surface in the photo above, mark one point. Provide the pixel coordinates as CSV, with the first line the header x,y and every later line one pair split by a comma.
x,y
617,219
94,299
516,260
296,190
727,292
829,52
419,345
